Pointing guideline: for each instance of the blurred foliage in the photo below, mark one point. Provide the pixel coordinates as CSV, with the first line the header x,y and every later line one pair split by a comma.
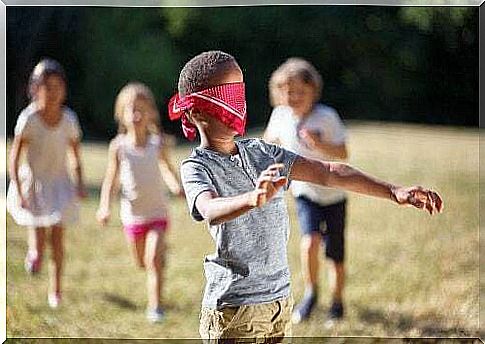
x,y
415,64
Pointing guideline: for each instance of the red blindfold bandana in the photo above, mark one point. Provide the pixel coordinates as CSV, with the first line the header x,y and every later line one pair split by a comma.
x,y
226,102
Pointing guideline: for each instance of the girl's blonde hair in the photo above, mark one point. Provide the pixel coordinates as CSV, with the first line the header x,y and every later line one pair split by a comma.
x,y
126,96
293,68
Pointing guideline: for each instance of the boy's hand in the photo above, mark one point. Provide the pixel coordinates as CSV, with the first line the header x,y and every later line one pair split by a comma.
x,y
102,216
418,197
268,185
310,138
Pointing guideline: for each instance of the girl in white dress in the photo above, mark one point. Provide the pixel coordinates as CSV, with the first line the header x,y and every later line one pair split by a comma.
x,y
138,155
41,194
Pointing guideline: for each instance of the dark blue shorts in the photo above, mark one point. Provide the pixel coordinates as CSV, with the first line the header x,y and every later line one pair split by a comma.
x,y
327,220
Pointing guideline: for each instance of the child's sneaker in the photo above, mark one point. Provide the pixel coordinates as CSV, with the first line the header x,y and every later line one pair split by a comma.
x,y
54,300
32,263
304,308
155,315
336,311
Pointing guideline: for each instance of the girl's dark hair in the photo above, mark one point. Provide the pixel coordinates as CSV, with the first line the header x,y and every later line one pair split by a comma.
x,y
45,68
204,70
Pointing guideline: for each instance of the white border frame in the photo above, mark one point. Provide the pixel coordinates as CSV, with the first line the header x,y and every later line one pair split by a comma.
x,y
144,3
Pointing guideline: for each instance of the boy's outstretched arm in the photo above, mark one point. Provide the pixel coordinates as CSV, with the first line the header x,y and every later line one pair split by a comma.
x,y
217,209
344,176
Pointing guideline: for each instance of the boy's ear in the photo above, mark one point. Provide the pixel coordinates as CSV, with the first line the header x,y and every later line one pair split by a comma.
x,y
196,117
189,115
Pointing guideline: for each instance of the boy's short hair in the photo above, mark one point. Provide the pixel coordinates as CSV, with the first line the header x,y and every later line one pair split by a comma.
x,y
294,68
203,71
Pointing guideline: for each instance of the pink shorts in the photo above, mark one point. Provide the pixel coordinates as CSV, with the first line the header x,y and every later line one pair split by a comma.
x,y
139,230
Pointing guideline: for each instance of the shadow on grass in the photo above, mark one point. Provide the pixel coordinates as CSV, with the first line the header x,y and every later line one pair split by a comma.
x,y
93,190
119,301
429,325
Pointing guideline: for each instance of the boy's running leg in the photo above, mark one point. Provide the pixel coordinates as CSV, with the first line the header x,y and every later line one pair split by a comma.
x,y
335,253
310,262
337,282
310,259
310,218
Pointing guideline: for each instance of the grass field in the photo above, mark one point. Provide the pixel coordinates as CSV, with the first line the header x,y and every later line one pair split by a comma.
x,y
409,274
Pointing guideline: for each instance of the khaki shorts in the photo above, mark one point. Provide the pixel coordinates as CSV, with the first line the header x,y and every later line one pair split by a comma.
x,y
259,323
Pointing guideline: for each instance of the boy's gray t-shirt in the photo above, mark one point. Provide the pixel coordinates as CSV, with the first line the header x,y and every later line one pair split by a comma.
x,y
250,263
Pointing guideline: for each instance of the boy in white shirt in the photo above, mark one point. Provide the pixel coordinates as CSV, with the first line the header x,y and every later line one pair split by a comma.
x,y
303,125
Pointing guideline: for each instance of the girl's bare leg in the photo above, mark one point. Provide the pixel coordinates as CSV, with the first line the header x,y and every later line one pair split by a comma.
x,y
137,247
154,255
57,258
36,246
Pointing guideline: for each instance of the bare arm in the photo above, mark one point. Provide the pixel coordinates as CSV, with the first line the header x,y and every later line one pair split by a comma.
x,y
168,172
338,175
75,147
217,209
17,146
314,141
269,138
334,151
344,176
110,178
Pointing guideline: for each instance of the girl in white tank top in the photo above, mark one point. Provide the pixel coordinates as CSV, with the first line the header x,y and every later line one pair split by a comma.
x,y
142,193
138,157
